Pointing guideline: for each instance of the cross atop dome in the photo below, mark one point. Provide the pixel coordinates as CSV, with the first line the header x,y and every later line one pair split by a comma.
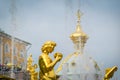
x,y
79,14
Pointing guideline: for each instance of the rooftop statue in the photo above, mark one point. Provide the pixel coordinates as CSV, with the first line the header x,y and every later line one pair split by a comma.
x,y
110,72
29,62
46,64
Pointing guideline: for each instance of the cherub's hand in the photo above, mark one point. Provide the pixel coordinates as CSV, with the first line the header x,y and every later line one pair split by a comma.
x,y
58,56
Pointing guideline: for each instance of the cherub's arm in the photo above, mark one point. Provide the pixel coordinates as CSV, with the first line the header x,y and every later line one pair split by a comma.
x,y
52,64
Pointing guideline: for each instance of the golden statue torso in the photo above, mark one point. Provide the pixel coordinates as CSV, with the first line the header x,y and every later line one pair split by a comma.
x,y
46,60
46,64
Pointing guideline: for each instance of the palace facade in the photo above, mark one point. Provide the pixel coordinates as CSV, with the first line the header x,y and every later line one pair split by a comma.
x,y
11,45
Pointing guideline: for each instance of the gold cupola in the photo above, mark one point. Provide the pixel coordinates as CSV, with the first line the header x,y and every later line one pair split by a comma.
x,y
79,38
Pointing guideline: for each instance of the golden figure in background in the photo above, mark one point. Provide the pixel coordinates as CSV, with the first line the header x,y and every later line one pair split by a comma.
x,y
29,62
46,64
34,74
110,72
31,68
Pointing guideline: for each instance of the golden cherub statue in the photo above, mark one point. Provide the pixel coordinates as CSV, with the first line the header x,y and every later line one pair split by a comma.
x,y
31,68
46,64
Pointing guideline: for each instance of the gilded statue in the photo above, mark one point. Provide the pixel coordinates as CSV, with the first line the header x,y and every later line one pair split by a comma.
x,y
32,68
46,64
29,62
33,73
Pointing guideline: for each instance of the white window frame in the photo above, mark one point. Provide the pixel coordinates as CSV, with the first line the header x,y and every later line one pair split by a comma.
x,y
6,48
6,60
22,54
15,50
0,51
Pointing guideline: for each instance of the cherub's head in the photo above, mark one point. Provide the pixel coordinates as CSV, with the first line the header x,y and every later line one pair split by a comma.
x,y
48,46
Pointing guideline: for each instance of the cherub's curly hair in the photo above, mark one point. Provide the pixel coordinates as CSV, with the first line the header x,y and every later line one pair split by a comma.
x,y
47,44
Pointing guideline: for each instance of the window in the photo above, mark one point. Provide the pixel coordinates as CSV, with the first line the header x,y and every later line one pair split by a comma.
x,y
0,53
15,50
6,60
22,65
0,62
0,49
0,58
22,54
0,41
15,62
6,48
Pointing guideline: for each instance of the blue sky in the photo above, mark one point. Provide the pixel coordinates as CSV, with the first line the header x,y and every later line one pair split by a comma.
x,y
40,20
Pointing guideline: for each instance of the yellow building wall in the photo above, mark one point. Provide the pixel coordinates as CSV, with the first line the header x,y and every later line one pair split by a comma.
x,y
5,41
20,46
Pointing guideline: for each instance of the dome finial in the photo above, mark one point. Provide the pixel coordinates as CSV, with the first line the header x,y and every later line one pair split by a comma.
x,y
79,14
79,38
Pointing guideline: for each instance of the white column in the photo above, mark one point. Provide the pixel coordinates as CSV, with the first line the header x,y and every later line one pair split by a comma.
x,y
25,58
1,50
12,57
